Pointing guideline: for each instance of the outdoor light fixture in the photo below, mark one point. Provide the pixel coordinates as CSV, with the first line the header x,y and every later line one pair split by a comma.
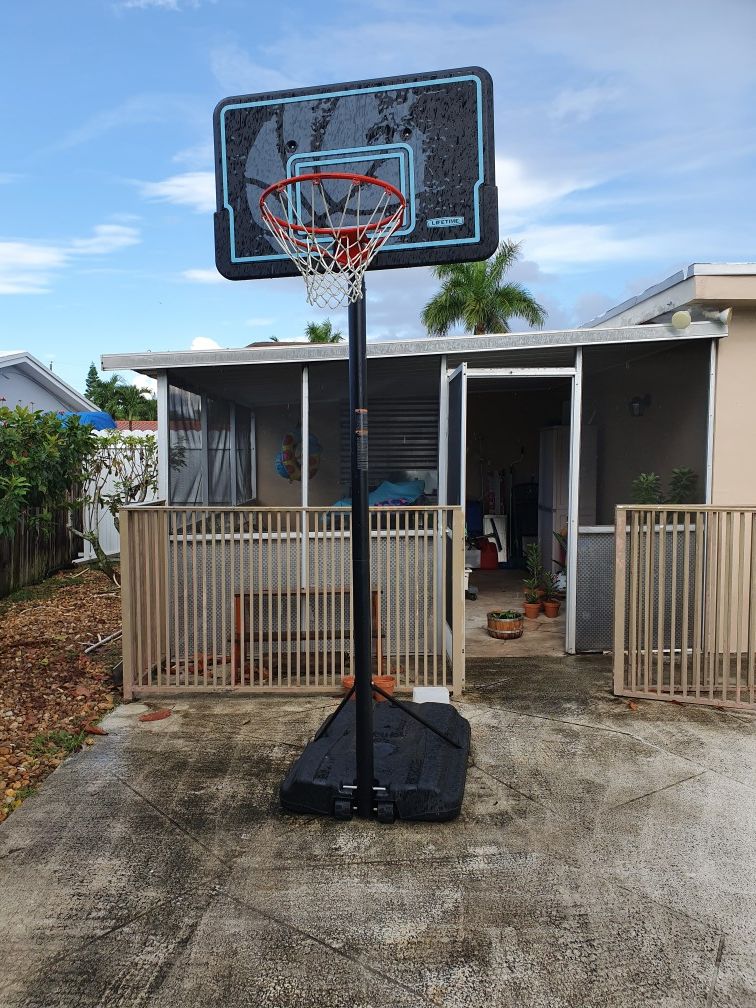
x,y
639,404
681,320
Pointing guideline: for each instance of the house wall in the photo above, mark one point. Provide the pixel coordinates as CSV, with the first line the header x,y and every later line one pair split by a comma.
x,y
672,431
20,390
734,473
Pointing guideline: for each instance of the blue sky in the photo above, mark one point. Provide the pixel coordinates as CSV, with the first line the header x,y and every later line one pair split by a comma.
x,y
625,143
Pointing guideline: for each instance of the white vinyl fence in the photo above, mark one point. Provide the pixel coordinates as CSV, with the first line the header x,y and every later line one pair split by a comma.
x,y
98,518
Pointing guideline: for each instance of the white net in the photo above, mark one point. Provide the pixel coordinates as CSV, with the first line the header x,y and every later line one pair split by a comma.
x,y
331,226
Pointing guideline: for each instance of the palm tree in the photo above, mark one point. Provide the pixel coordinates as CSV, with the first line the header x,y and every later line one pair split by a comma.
x,y
133,405
473,294
323,332
106,395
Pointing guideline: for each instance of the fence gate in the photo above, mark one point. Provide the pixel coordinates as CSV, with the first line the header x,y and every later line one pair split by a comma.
x,y
685,604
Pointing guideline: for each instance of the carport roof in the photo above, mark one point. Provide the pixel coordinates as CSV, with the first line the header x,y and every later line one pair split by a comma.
x,y
537,348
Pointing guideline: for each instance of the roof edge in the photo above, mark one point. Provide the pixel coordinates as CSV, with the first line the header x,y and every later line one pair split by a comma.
x,y
47,378
150,363
686,273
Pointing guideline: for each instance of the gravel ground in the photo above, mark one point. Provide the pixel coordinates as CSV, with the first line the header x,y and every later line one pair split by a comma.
x,y
51,693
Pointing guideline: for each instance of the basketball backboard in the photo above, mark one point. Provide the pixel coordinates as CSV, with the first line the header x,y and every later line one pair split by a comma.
x,y
430,135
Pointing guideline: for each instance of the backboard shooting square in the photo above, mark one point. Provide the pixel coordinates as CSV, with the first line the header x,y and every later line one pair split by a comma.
x,y
429,135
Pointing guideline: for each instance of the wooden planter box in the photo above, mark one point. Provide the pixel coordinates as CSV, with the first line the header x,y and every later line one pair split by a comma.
x,y
504,629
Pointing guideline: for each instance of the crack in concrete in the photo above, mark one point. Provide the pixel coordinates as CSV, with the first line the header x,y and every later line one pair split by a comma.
x,y
328,946
265,914
635,738
493,777
666,787
715,972
124,924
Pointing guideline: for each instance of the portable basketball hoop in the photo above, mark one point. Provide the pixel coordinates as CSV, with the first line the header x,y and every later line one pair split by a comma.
x,y
331,225
327,182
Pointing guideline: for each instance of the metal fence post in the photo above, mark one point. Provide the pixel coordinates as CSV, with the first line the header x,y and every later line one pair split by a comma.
x,y
458,600
127,620
620,577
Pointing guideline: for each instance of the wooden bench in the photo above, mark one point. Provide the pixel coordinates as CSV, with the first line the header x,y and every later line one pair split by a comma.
x,y
257,634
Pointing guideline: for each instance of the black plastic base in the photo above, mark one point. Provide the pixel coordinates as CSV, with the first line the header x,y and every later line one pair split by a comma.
x,y
420,775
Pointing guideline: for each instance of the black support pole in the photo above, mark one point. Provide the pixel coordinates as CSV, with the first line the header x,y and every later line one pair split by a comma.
x,y
361,556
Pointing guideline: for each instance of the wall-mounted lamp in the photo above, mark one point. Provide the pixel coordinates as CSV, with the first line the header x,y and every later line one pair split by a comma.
x,y
681,320
639,404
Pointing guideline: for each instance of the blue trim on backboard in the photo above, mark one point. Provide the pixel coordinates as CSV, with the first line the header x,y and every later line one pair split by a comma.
x,y
313,159
473,78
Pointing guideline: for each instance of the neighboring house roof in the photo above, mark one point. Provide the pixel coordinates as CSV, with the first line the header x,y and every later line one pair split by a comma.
x,y
301,352
136,425
35,371
701,286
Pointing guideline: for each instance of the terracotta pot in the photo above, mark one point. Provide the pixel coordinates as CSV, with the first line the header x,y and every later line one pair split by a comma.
x,y
551,608
386,682
532,609
540,592
504,629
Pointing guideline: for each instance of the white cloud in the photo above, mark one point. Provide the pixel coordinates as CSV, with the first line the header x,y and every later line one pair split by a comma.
x,y
146,385
204,276
580,104
561,246
169,5
26,268
30,267
521,189
204,343
135,111
198,156
106,238
237,73
193,189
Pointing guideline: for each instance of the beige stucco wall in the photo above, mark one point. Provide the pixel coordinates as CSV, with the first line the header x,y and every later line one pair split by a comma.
x,y
734,461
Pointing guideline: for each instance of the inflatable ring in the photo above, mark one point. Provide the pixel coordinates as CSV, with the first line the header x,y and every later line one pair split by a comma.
x,y
289,460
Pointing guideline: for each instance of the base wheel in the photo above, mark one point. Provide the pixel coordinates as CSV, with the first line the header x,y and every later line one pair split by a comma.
x,y
384,812
342,809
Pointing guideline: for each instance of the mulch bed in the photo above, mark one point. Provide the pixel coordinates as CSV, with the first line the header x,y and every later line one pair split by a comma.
x,y
51,694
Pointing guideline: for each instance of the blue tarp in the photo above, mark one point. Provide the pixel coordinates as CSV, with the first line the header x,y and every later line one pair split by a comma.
x,y
391,494
95,418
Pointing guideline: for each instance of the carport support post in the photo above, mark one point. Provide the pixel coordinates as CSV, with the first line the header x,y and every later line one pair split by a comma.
x,y
361,555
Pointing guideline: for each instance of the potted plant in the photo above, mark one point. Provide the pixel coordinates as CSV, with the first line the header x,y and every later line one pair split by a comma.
x,y
532,604
646,489
534,567
551,602
505,624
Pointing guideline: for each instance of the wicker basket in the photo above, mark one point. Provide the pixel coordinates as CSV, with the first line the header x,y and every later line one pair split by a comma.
x,y
504,629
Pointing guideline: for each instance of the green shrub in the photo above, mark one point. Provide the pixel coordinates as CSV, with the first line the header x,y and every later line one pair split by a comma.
x,y
41,460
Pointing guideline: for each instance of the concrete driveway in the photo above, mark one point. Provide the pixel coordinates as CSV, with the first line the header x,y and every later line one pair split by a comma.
x,y
605,857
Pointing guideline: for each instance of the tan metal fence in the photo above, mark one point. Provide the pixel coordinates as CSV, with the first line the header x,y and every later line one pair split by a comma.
x,y
685,604
260,599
